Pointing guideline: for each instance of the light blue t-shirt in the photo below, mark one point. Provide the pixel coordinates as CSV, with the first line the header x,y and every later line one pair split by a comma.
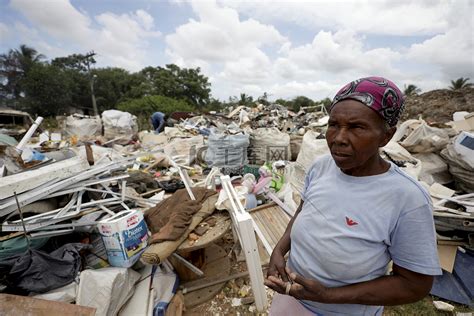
x,y
351,227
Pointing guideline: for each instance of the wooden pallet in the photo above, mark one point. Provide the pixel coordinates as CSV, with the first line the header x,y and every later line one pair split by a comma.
x,y
271,220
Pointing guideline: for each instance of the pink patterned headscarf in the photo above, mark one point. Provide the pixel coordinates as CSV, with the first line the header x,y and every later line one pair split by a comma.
x,y
379,94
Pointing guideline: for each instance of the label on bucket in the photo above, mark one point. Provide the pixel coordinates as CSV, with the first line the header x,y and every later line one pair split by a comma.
x,y
125,236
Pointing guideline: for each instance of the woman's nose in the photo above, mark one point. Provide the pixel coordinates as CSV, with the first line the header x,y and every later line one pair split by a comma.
x,y
341,136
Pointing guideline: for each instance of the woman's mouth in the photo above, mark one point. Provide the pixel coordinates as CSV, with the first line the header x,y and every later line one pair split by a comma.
x,y
340,154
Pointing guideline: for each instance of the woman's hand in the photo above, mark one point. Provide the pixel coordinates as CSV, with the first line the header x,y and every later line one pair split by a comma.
x,y
277,265
306,289
276,273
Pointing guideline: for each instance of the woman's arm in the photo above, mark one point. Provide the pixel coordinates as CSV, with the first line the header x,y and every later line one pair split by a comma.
x,y
403,287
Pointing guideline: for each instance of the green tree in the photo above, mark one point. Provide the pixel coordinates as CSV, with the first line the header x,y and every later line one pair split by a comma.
x,y
301,101
263,99
148,105
284,103
47,90
76,67
78,62
411,90
460,83
174,82
144,107
245,99
111,86
215,105
14,67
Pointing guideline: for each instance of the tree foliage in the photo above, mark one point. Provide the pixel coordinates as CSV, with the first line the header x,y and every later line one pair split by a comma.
x,y
174,82
411,90
14,67
47,90
246,100
301,101
112,86
149,104
77,62
68,81
460,83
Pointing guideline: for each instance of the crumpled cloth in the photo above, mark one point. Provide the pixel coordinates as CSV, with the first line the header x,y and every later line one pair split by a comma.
x,y
158,252
170,218
39,272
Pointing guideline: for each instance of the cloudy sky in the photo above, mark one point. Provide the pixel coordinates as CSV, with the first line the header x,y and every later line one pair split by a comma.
x,y
285,48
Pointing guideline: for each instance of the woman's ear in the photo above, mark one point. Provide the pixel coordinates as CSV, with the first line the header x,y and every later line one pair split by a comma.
x,y
388,135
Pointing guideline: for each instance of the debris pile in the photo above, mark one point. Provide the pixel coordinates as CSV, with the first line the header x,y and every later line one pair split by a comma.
x,y
137,223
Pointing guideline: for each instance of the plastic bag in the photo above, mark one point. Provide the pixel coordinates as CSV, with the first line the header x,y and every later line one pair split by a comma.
x,y
420,137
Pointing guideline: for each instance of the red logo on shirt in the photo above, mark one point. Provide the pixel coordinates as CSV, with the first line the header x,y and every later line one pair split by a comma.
x,y
350,222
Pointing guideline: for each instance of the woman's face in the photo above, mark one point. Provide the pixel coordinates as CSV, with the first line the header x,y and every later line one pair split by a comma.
x,y
354,135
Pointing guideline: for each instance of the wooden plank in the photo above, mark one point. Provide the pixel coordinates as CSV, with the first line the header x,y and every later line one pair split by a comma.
x,y
274,226
281,218
264,227
447,256
176,306
259,220
14,305
272,221
217,264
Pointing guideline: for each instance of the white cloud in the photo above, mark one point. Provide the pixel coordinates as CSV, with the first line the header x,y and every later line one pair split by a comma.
x,y
371,17
220,37
119,40
313,89
452,52
333,54
57,18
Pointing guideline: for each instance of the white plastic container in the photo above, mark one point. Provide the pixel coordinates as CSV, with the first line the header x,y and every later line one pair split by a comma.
x,y
125,237
464,145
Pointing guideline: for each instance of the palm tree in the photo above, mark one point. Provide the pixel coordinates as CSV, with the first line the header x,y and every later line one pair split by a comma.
x,y
460,83
245,99
411,90
28,56
14,66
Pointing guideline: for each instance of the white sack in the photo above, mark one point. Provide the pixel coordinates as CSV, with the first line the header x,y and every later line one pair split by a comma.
x,y
106,289
311,148
227,150
118,123
83,127
184,150
267,145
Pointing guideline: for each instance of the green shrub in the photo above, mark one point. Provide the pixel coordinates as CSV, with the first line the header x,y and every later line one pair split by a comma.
x,y
146,106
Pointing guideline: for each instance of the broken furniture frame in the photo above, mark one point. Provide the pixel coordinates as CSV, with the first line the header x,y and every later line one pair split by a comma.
x,y
244,227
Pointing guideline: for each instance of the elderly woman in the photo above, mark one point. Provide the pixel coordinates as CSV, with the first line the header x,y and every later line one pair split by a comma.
x,y
358,213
